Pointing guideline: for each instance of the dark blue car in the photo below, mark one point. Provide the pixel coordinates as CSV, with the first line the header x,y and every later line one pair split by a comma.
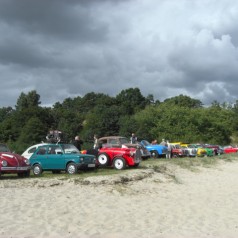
x,y
156,150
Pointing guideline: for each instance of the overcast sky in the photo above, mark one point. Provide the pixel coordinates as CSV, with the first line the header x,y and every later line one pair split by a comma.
x,y
67,48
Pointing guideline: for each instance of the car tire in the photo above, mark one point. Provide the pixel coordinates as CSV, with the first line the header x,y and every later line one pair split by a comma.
x,y
136,165
71,168
119,163
103,159
154,154
37,170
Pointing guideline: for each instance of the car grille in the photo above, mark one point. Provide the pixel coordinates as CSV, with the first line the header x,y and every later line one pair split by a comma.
x,y
137,157
88,159
186,152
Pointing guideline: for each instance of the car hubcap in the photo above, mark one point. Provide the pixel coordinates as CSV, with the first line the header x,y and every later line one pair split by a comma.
x,y
102,159
118,164
36,170
71,169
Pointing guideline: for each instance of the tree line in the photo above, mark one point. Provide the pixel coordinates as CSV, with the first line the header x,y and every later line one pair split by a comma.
x,y
180,118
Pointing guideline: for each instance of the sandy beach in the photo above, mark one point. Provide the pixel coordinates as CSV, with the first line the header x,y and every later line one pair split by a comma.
x,y
137,203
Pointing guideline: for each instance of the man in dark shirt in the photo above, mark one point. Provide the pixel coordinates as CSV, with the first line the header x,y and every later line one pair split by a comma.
x,y
77,142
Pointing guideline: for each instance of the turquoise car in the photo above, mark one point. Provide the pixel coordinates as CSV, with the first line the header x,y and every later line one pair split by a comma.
x,y
60,157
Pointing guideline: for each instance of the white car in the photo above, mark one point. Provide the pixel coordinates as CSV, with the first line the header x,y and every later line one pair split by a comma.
x,y
28,152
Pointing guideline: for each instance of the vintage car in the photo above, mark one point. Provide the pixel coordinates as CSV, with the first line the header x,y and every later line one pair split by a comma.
x,y
13,163
229,149
217,150
119,158
177,150
190,150
156,150
201,152
121,141
204,151
60,157
29,151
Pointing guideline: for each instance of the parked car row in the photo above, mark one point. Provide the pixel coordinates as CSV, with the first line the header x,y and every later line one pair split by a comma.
x,y
115,151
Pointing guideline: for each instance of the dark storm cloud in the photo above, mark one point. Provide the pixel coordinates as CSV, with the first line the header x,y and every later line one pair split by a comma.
x,y
67,20
73,47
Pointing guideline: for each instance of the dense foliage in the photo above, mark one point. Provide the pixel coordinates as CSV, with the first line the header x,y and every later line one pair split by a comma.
x,y
179,118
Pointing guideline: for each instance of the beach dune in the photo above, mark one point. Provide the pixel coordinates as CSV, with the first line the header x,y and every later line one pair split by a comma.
x,y
187,204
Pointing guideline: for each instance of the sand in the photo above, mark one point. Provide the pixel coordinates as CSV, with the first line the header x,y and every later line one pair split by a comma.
x,y
137,203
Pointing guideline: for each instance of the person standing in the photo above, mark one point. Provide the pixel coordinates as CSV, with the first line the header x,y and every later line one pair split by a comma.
x,y
96,142
77,142
163,142
154,142
169,150
133,138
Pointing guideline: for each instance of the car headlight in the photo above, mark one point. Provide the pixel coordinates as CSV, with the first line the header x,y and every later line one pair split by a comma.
x,y
131,153
4,163
27,161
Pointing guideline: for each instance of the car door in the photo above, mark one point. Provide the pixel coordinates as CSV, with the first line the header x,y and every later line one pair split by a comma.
x,y
40,157
55,157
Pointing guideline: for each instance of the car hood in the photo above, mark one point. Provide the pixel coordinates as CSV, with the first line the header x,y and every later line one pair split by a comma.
x,y
12,158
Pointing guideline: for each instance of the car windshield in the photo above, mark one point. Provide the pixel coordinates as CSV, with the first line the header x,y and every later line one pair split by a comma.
x,y
145,142
69,148
4,148
124,140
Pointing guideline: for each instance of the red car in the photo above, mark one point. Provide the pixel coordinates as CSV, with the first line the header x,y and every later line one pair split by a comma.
x,y
13,163
119,158
229,149
177,151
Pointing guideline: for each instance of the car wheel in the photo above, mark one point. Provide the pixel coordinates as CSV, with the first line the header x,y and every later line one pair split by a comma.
x,y
154,154
136,165
37,170
119,163
103,159
71,168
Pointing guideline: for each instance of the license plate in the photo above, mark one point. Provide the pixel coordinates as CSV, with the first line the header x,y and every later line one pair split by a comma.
x,y
91,165
22,168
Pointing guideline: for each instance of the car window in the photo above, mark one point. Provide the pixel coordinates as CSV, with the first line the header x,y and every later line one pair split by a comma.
x,y
103,141
51,150
145,142
69,148
41,151
32,150
124,140
113,141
